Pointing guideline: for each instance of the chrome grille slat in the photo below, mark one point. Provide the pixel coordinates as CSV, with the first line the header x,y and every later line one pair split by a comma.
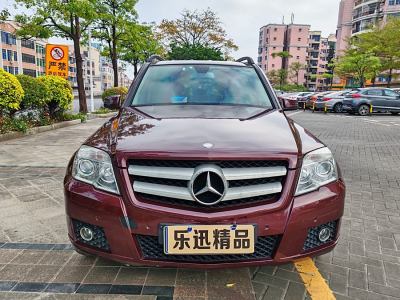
x,y
186,173
184,194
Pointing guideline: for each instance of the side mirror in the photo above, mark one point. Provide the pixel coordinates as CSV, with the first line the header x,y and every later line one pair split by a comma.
x,y
112,102
289,105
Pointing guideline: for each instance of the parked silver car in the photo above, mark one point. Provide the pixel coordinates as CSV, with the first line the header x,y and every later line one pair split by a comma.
x,y
333,101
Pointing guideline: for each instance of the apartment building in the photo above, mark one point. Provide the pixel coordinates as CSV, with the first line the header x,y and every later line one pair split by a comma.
x,y
275,38
356,16
21,56
320,53
107,73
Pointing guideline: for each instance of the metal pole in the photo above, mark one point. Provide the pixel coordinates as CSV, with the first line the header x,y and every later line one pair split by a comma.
x,y
91,71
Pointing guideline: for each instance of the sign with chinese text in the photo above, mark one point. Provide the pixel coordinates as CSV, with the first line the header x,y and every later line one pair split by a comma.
x,y
209,239
57,60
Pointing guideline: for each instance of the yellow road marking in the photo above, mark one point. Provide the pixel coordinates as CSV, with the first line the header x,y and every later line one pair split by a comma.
x,y
314,282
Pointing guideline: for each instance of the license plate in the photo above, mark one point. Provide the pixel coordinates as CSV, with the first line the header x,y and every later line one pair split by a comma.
x,y
208,239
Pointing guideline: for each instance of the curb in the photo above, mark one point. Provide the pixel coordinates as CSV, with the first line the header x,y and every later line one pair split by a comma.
x,y
35,130
102,116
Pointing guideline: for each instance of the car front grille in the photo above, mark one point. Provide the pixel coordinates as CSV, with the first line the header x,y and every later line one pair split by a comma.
x,y
151,249
168,181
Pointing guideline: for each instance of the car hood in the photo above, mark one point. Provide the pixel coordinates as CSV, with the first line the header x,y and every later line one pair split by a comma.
x,y
154,133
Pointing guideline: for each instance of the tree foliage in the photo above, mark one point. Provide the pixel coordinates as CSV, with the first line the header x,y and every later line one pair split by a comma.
x,y
383,42
138,44
195,29
194,52
295,69
59,92
11,92
357,64
278,77
66,19
115,20
37,93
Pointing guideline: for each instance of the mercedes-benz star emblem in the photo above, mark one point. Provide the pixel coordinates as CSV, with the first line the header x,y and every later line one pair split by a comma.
x,y
208,145
208,185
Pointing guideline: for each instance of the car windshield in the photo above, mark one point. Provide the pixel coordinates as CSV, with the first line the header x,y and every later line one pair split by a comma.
x,y
201,84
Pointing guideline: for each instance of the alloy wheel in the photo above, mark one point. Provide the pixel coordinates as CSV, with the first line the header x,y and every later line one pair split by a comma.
x,y
363,110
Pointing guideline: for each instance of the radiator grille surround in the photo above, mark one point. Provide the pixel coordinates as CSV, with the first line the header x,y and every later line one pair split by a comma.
x,y
176,182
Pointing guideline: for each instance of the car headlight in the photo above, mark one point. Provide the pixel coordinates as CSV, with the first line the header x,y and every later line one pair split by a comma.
x,y
318,169
93,166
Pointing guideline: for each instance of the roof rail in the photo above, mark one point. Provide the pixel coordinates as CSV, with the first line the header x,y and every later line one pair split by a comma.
x,y
154,59
248,60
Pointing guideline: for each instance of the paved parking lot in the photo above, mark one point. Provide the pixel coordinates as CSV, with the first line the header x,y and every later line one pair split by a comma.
x,y
36,260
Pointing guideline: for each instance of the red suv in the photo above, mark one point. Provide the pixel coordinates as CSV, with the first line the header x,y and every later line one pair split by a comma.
x,y
202,168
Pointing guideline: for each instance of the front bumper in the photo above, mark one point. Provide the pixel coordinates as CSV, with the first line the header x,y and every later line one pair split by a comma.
x,y
124,226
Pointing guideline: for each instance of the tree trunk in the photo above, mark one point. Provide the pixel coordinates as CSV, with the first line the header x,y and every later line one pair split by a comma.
x,y
79,69
390,78
135,68
114,60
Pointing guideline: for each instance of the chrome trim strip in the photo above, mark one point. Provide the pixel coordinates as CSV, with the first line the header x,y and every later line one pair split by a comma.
x,y
187,173
184,194
161,172
162,190
252,191
253,173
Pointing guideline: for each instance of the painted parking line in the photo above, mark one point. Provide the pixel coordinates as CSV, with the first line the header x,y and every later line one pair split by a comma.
x,y
313,280
294,113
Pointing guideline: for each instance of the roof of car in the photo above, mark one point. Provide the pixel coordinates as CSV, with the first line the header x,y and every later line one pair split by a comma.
x,y
199,62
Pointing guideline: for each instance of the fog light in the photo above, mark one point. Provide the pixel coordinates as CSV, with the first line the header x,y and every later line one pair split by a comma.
x,y
324,234
86,234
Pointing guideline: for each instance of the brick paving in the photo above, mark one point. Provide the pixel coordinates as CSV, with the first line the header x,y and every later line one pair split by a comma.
x,y
36,261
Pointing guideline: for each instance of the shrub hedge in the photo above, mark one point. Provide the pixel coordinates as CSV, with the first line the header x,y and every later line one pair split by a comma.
x,y
60,93
11,92
122,91
37,93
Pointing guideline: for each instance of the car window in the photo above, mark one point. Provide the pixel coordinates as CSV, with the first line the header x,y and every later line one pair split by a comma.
x,y
374,92
201,84
391,93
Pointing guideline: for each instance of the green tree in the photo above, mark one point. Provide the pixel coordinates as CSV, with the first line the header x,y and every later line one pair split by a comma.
x,y
11,93
138,44
198,52
59,93
282,77
66,19
295,69
383,42
114,20
197,29
357,64
36,92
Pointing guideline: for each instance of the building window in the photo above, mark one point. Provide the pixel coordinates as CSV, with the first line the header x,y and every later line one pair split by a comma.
x,y
28,44
275,29
273,48
4,54
274,38
27,58
300,29
8,38
297,57
9,55
298,48
273,65
29,72
394,2
15,56
299,39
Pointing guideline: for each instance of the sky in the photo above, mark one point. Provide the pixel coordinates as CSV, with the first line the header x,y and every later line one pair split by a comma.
x,y
242,19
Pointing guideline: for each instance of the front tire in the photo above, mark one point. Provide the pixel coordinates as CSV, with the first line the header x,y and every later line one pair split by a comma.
x,y
363,110
338,108
395,113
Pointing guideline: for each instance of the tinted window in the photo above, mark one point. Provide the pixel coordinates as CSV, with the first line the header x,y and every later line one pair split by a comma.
x,y
201,84
374,92
391,93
